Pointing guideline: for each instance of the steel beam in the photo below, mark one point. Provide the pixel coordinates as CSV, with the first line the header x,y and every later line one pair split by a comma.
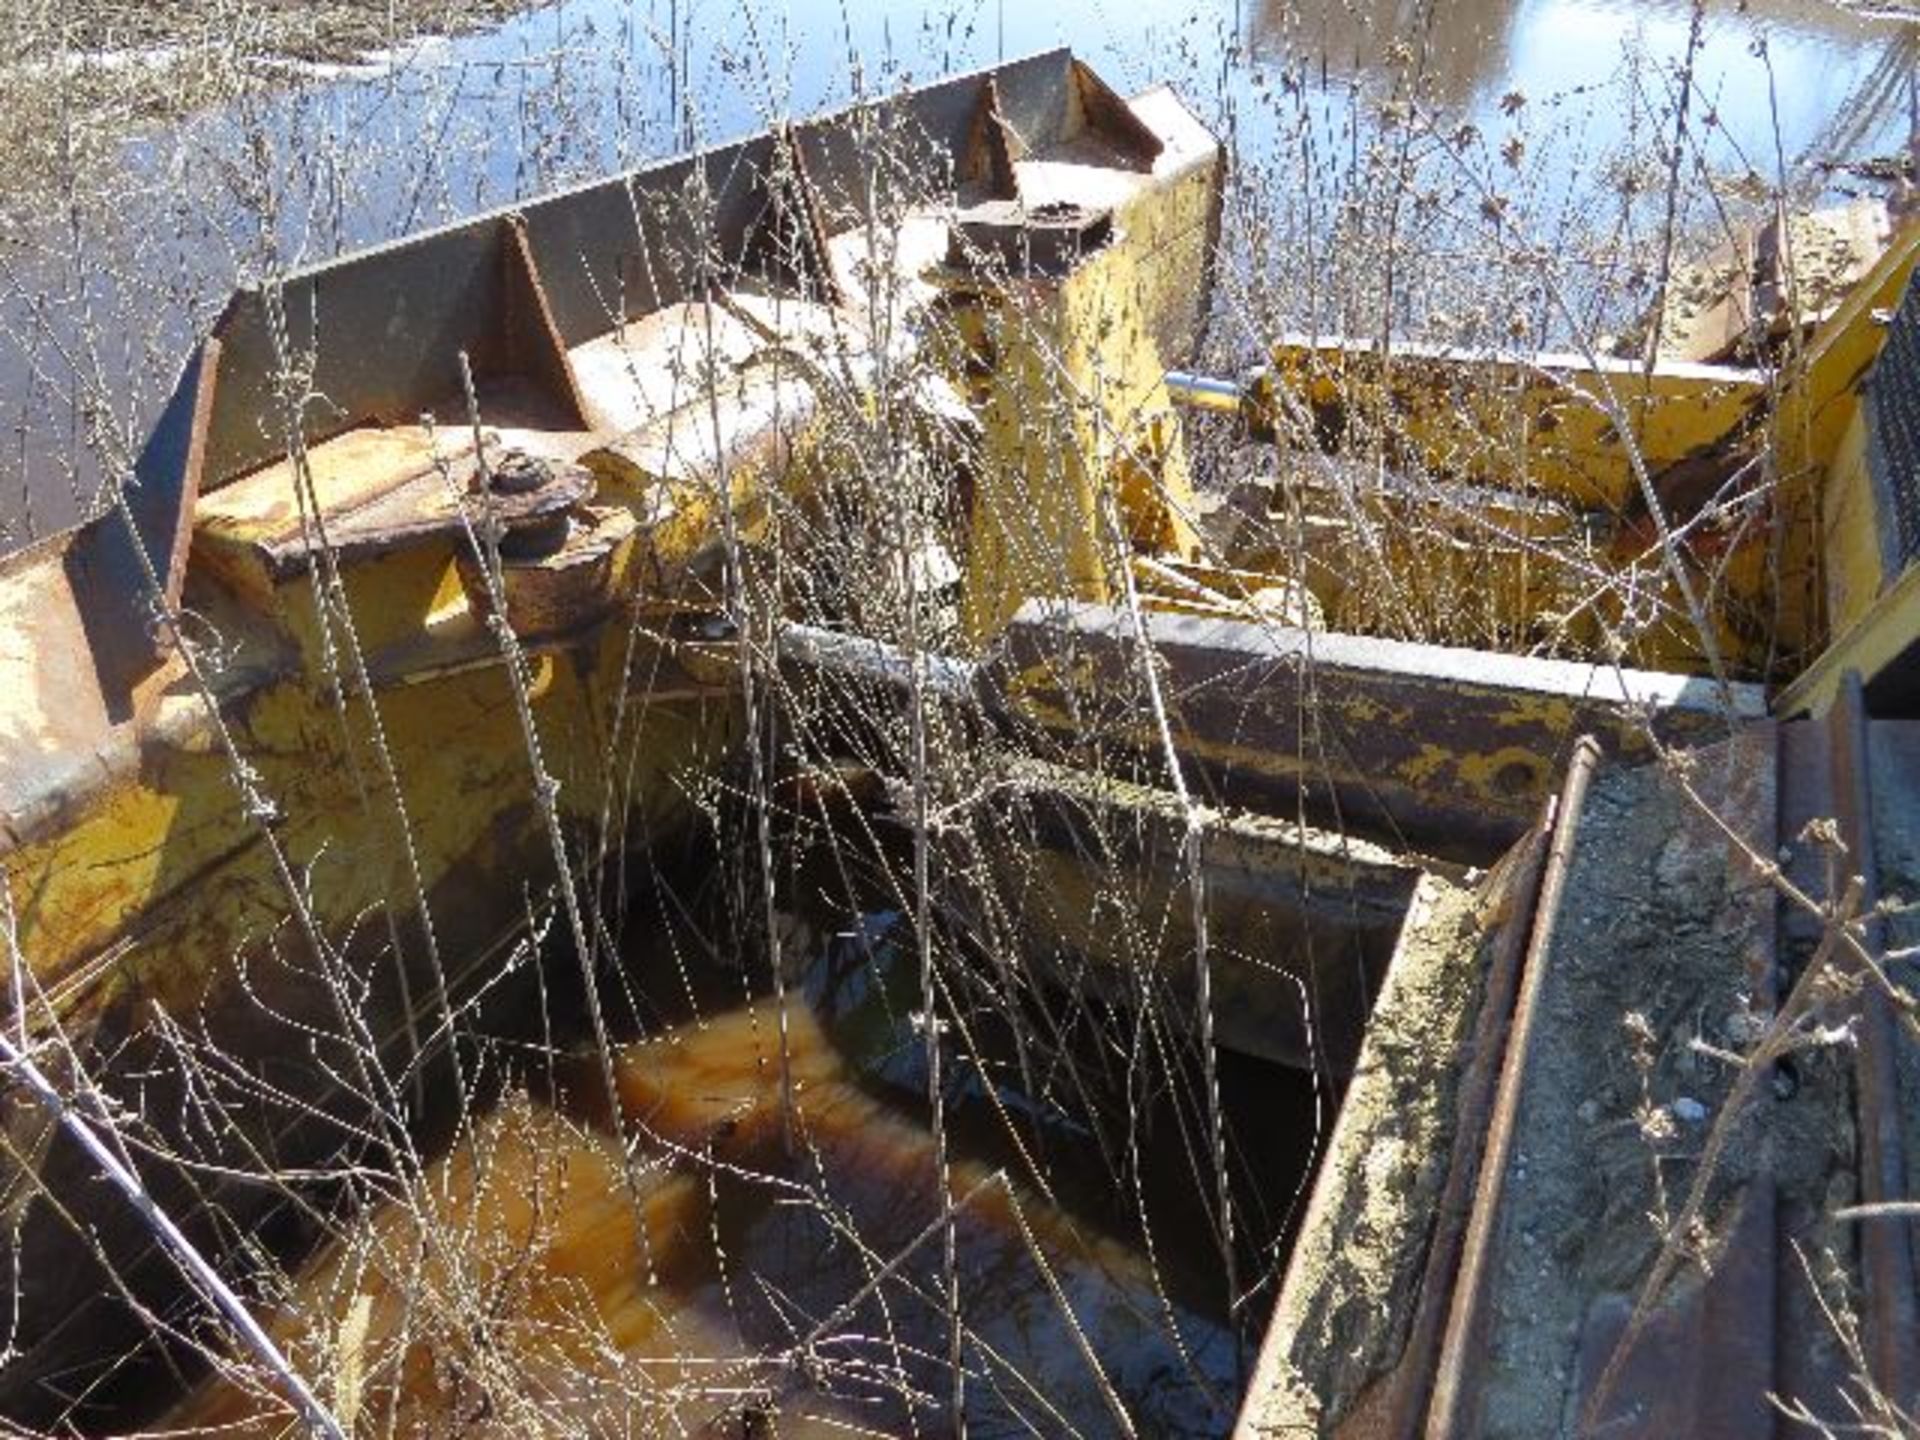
x,y
1451,751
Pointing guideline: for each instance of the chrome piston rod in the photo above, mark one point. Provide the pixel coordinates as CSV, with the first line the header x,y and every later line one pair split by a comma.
x,y
1206,392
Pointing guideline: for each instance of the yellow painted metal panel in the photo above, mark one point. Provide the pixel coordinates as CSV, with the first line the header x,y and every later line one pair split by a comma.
x,y
1852,523
1819,399
1540,425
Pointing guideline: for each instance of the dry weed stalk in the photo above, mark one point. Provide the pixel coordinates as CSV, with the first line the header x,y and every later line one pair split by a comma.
x,y
1382,219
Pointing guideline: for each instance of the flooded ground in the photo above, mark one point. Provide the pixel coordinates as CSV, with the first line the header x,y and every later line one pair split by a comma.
x,y
108,273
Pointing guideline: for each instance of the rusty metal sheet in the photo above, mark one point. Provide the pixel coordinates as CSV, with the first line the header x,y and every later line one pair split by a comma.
x,y
382,332
1455,1395
1318,914
383,327
1034,99
116,599
1891,1322
992,148
622,247
1703,1365
1515,883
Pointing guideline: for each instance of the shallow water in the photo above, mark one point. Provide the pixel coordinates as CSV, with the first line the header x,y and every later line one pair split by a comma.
x,y
772,1256
98,305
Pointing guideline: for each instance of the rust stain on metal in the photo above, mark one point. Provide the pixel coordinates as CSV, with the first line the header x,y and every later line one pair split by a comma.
x,y
1892,1324
1704,1365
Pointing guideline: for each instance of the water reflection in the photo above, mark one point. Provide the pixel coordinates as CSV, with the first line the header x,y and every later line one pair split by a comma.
x,y
1469,54
98,306
1456,47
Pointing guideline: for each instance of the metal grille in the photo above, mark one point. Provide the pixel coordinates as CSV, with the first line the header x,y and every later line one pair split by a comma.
x,y
1893,432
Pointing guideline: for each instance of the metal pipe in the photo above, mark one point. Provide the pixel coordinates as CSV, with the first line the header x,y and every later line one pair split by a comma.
x,y
861,657
1206,392
1414,1378
1464,1352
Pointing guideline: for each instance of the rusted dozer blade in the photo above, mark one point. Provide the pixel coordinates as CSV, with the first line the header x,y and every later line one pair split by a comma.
x,y
1449,751
623,247
520,291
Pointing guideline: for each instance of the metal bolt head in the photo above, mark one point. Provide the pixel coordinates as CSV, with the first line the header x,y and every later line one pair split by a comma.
x,y
516,472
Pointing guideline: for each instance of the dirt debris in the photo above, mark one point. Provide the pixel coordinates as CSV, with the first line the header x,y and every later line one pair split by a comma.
x,y
1652,970
1749,292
